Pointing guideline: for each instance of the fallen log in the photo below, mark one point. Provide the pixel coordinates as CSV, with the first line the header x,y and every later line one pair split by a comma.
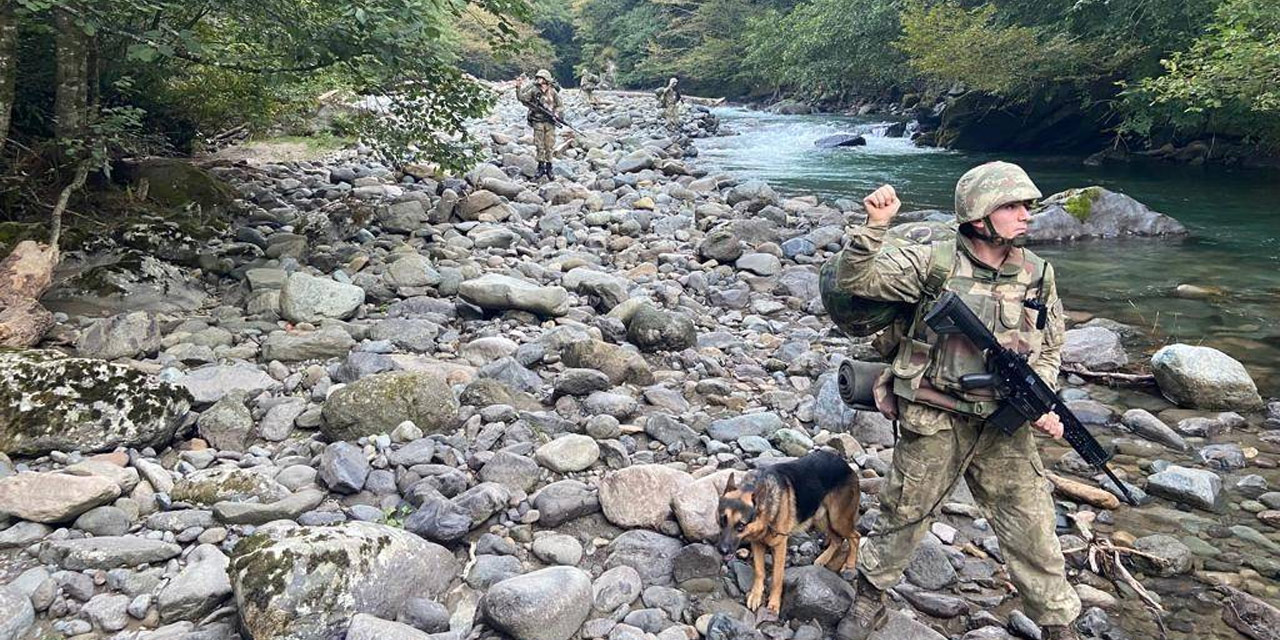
x,y
1081,492
1112,377
25,274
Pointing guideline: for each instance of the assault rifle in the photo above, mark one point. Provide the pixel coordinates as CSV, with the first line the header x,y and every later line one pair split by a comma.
x,y
1026,396
550,114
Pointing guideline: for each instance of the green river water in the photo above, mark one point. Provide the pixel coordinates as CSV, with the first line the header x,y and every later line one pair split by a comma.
x,y
1233,216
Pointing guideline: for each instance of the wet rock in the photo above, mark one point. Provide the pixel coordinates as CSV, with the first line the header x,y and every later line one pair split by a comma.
x,y
439,520
380,402
549,604
1204,378
97,405
1196,487
1174,557
1096,212
1142,423
816,593
307,582
1096,348
930,567
840,140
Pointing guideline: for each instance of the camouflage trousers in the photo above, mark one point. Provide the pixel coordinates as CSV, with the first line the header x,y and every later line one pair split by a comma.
x,y
544,140
1008,481
672,113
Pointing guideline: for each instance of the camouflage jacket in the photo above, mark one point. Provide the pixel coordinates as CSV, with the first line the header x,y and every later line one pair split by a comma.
x,y
927,367
529,95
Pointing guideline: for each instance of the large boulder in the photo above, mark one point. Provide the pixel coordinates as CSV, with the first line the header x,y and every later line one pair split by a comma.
x,y
753,194
198,589
16,613
49,402
1095,212
305,583
54,497
380,402
1197,487
548,604
306,298
640,496
840,140
1204,378
695,505
496,292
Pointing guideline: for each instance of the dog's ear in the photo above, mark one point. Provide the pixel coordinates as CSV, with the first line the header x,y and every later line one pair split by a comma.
x,y
731,484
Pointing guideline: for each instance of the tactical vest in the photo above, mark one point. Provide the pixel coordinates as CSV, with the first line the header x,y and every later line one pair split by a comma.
x,y
927,367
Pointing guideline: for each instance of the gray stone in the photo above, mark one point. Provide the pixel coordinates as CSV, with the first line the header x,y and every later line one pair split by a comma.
x,y
420,451
611,290
306,298
343,467
653,330
616,587
209,384
1141,422
367,627
208,486
107,552
403,217
22,534
198,589
412,270
287,508
50,402
488,570
278,422
328,342
753,424
816,593
410,334
121,336
483,501
378,403
580,382
1196,487
558,548
228,424
1174,557
620,364
439,520
104,521
16,614
1204,378
322,576
499,293
568,453
549,604
651,554
425,615
1107,215
761,264
108,612
513,471
1097,348
930,567
565,500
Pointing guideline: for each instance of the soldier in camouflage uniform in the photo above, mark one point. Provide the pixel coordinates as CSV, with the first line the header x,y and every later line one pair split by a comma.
x,y
669,100
942,435
588,85
542,91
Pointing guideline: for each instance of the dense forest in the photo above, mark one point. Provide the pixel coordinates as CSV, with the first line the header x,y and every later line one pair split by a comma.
x,y
83,82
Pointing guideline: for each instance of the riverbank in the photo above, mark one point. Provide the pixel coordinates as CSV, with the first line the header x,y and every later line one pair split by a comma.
x,y
483,407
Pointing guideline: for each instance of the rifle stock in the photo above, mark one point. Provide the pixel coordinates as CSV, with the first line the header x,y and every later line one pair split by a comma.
x,y
1026,396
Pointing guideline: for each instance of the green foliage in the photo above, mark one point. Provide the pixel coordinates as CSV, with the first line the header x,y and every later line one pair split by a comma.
x,y
423,121
1080,203
951,44
826,47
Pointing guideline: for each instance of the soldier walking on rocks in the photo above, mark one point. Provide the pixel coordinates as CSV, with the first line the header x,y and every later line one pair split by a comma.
x,y
588,84
544,105
669,100
943,437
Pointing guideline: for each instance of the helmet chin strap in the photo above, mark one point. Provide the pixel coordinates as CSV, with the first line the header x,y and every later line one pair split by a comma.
x,y
988,232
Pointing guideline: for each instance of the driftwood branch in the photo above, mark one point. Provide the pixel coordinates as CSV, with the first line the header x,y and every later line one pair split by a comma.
x,y
1112,377
25,274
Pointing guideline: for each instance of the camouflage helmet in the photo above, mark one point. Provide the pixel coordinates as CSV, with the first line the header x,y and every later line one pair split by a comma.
x,y
544,74
989,186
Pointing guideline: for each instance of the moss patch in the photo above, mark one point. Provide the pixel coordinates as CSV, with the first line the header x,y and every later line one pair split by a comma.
x,y
1080,203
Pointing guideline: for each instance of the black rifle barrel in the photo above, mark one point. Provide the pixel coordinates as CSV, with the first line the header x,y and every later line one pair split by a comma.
x,y
1025,395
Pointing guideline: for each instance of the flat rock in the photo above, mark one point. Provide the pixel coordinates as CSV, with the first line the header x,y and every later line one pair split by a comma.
x,y
54,497
108,552
640,495
497,292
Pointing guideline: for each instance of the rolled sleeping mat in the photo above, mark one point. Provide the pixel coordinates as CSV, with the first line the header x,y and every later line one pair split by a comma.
x,y
856,381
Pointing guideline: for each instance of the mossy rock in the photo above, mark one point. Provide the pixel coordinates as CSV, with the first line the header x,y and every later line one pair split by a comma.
x,y
305,583
1080,202
51,402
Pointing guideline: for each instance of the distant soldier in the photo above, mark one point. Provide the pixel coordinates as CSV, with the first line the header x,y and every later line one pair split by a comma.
x,y
588,84
610,79
669,100
544,105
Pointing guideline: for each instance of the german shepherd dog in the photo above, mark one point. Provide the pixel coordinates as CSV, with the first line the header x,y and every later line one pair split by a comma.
x,y
774,502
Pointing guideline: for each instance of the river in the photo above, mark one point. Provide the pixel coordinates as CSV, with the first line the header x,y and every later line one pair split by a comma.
x,y
1233,216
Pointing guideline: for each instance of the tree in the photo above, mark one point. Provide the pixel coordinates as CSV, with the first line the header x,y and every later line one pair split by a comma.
x,y
8,65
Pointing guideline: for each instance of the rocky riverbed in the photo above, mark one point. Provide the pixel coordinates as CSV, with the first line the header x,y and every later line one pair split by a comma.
x,y
404,405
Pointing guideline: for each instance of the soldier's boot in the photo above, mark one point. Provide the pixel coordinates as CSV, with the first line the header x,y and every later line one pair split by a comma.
x,y
542,170
1059,632
547,172
867,614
